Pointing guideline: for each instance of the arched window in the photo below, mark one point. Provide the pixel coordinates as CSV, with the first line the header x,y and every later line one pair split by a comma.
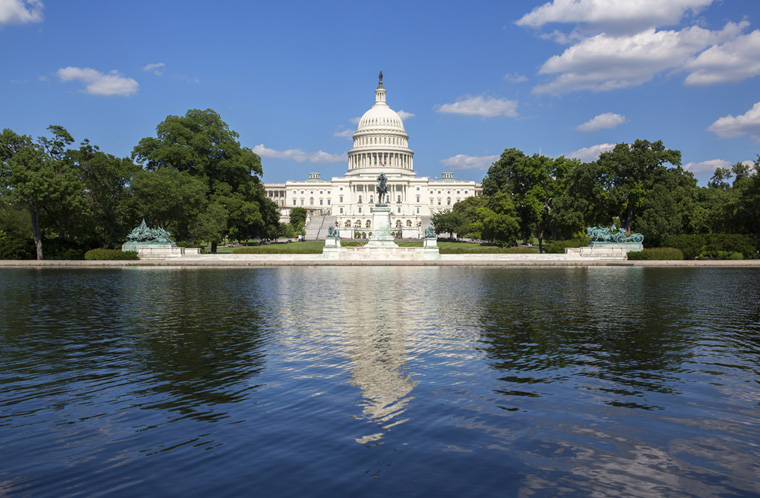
x,y
448,201
409,223
295,202
302,201
348,224
341,198
398,223
368,224
439,201
358,223
418,198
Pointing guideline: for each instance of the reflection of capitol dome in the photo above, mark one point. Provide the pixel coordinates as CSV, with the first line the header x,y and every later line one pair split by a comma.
x,y
380,140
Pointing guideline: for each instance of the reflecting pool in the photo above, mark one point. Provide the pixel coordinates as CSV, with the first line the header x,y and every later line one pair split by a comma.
x,y
380,381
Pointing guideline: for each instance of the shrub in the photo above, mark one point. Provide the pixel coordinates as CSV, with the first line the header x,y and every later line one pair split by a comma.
x,y
656,253
559,246
13,246
190,245
713,245
110,255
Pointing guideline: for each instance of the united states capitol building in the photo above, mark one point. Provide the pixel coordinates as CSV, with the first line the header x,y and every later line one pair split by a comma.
x,y
380,145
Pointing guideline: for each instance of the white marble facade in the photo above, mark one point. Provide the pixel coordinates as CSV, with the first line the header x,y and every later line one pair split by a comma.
x,y
380,145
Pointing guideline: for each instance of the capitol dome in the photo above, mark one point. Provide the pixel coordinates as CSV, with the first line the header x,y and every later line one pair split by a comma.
x,y
380,140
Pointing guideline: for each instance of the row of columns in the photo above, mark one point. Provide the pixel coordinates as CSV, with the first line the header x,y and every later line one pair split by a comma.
x,y
373,159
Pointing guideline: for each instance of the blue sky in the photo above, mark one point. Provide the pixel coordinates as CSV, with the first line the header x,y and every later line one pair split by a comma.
x,y
565,77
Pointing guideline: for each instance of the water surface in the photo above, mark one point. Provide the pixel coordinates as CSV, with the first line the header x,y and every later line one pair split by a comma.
x,y
341,381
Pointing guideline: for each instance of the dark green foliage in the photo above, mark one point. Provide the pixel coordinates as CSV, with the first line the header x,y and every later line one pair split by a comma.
x,y
656,253
110,255
13,246
65,249
714,246
559,246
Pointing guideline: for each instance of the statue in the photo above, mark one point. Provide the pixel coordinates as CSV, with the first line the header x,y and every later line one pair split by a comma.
x,y
613,235
333,232
149,235
430,232
381,77
382,188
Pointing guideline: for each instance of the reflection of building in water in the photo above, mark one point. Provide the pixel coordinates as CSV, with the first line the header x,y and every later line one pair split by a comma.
x,y
376,346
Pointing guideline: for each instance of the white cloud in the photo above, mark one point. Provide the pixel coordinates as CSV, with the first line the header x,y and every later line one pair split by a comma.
x,y
298,155
613,15
736,126
602,121
706,166
20,11
462,162
404,115
604,62
588,154
344,133
515,78
355,120
732,62
157,68
98,83
486,107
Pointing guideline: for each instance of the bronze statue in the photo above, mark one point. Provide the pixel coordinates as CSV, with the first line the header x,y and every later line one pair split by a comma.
x,y
382,187
381,77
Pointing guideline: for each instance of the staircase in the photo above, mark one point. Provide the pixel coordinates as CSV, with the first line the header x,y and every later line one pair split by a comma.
x,y
326,222
313,227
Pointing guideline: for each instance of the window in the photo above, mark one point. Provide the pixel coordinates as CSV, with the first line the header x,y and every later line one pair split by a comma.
x,y
360,201
348,224
341,199
320,202
302,201
341,210
431,201
368,224
295,203
398,223
328,202
360,209
418,210
398,198
439,201
311,201
371,199
418,198
398,210
448,201
409,223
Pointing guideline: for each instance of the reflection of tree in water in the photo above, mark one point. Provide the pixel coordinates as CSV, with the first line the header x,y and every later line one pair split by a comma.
x,y
202,350
376,346
605,323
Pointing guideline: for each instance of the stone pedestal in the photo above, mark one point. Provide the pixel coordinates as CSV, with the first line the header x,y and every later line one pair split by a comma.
x,y
148,250
430,248
381,227
331,249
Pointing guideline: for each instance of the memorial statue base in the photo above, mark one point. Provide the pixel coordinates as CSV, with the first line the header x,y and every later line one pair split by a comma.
x,y
147,250
628,246
381,228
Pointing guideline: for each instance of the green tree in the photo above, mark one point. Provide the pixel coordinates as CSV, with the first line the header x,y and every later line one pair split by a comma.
x,y
173,200
498,178
467,216
629,172
297,216
202,145
498,221
659,218
446,222
106,180
39,176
